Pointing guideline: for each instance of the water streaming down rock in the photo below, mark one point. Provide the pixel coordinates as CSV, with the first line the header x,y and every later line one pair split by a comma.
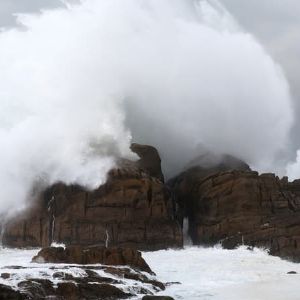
x,y
51,211
2,230
187,240
106,239
52,230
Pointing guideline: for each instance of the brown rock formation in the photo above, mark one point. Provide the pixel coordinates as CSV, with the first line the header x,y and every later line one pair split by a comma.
x,y
133,209
93,255
149,160
241,207
183,185
90,283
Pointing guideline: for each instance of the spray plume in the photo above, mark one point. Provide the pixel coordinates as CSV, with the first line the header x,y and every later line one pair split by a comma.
x,y
78,84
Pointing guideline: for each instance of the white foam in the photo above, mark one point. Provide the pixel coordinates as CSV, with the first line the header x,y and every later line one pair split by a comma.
x,y
217,274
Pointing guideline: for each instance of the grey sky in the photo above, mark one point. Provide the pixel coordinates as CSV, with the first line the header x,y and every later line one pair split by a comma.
x,y
9,7
275,23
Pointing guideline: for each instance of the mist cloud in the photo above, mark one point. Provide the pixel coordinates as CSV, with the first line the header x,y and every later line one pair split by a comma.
x,y
79,84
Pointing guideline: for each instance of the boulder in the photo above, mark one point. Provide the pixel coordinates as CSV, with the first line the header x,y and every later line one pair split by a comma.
x,y
7,293
93,255
132,209
40,289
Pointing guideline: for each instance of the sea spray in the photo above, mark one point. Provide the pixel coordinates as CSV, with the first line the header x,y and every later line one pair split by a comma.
x,y
77,84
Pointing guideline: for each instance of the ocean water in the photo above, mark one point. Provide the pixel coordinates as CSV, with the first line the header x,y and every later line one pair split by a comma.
x,y
218,274
203,273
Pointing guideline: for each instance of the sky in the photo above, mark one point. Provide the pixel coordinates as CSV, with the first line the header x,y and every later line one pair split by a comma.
x,y
275,23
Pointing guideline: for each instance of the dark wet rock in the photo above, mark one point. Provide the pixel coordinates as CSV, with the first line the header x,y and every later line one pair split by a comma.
x,y
95,277
36,288
68,290
93,255
172,283
127,273
71,291
90,286
15,267
7,293
5,275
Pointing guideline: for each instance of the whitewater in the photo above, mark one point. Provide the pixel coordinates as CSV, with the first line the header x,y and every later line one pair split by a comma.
x,y
195,273
218,274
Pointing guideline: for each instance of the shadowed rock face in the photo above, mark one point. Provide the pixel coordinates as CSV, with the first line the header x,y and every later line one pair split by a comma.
x,y
205,165
149,160
133,209
241,207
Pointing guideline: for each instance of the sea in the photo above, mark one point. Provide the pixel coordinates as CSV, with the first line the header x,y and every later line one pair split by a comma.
x,y
191,273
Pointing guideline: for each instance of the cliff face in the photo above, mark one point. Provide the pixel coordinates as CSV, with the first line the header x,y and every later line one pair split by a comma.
x,y
241,207
133,209
183,185
223,200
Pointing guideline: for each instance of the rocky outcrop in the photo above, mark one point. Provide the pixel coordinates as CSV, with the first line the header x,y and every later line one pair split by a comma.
x,y
76,273
133,209
93,255
242,207
87,284
8,293
149,160
184,184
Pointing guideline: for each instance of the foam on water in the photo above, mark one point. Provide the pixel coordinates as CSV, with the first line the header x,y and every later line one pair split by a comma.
x,y
214,273
204,273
